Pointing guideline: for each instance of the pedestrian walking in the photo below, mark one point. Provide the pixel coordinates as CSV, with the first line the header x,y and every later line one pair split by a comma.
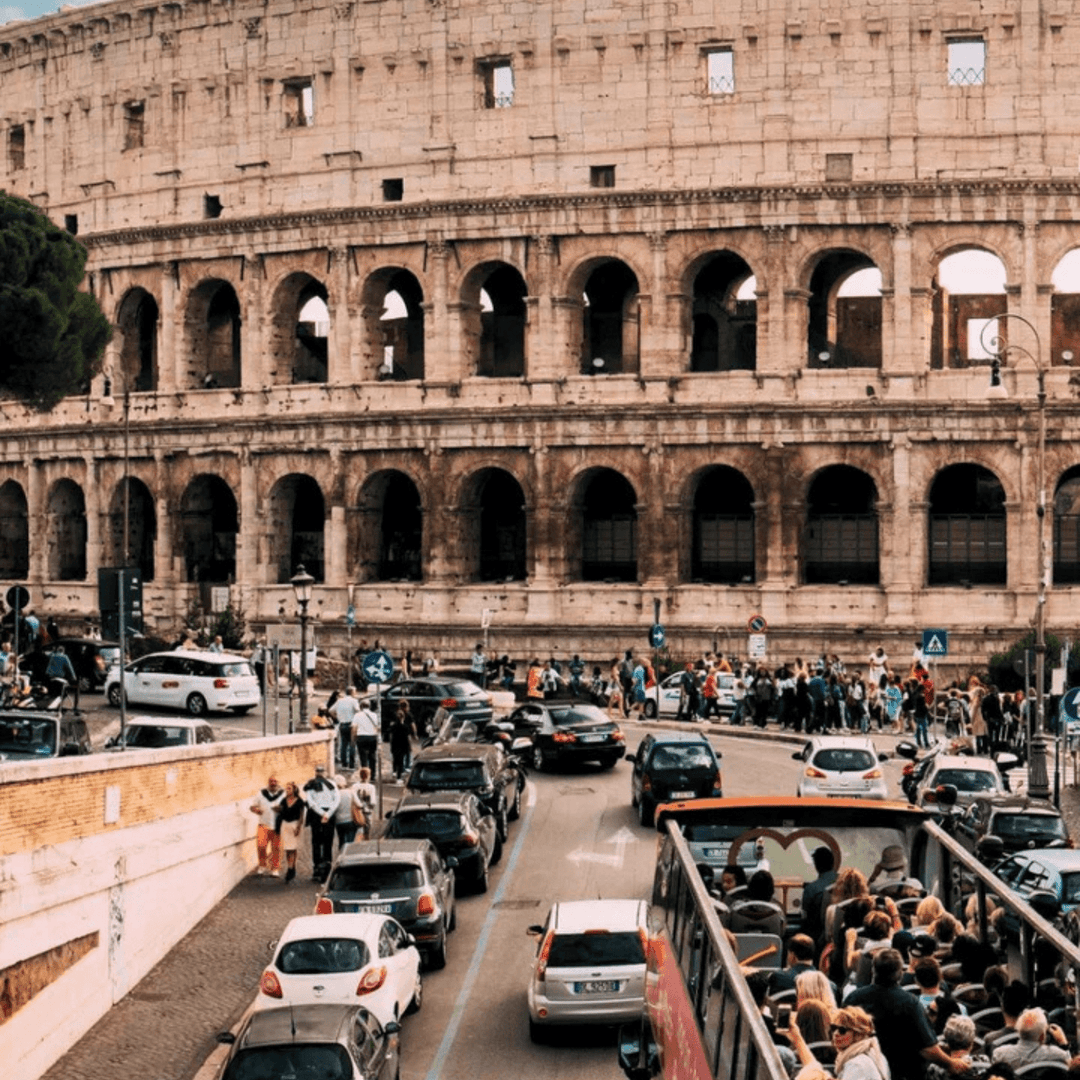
x,y
402,730
345,824
344,712
268,839
322,798
60,671
856,705
364,797
366,735
577,669
689,705
478,665
289,822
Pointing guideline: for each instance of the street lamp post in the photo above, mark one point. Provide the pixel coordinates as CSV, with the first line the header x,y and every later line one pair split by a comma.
x,y
997,350
302,582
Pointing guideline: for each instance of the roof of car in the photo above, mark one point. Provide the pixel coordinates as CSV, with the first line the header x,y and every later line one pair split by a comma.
x,y
1014,803
295,1024
964,761
383,851
432,800
852,742
354,924
165,721
580,915
679,737
1061,859
456,750
200,654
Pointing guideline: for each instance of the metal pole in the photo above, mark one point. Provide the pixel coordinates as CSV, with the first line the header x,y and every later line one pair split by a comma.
x,y
120,575
303,725
378,751
1038,780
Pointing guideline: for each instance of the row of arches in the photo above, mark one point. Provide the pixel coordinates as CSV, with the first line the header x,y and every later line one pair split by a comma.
x,y
844,319
840,534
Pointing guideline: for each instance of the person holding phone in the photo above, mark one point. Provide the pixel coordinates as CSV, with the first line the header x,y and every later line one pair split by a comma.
x,y
858,1054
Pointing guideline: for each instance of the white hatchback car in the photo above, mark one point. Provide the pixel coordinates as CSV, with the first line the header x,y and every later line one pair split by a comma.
x,y
663,699
841,766
353,959
197,682
590,965
971,776
151,733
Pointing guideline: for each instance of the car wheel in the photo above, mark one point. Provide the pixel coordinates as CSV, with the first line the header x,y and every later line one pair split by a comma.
x,y
417,997
196,705
538,759
645,811
114,695
537,1032
436,958
650,710
515,806
502,821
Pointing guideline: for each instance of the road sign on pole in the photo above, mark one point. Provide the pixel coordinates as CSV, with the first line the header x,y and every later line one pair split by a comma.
x,y
935,643
657,636
378,667
1070,703
756,647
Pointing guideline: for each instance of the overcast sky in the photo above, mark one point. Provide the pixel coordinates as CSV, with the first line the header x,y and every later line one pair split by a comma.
x,y
32,9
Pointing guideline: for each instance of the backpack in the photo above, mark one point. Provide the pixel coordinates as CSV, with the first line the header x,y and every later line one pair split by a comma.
x,y
953,709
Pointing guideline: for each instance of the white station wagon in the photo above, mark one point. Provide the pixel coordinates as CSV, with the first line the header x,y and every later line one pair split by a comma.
x,y
196,682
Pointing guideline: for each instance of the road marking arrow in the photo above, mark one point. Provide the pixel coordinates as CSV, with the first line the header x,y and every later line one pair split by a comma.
x,y
620,839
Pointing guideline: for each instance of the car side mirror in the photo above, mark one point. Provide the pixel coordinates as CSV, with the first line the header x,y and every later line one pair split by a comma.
x,y
631,758
534,931
392,1027
226,1037
990,849
946,794
907,750
883,757
797,756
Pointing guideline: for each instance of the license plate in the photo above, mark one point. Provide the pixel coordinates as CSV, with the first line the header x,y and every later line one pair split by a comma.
x,y
593,738
716,852
682,795
374,909
606,986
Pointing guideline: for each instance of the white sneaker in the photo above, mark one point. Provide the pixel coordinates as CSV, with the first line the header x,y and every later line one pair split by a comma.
x,y
275,873
261,871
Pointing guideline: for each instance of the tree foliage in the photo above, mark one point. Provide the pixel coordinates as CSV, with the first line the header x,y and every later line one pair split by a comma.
x,y
54,334
1003,673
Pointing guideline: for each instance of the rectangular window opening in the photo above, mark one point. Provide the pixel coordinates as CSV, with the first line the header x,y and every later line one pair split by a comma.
x,y
299,101
720,71
602,176
967,62
17,147
134,119
498,78
838,166
71,223
393,190
212,206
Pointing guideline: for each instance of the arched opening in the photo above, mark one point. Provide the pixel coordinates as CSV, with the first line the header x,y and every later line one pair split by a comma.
x,y
841,540
391,540
1065,310
611,330
844,328
14,532
967,527
497,295
724,316
299,332
209,524
297,523
1067,529
969,292
65,532
213,325
723,528
132,527
494,526
394,316
137,321
608,516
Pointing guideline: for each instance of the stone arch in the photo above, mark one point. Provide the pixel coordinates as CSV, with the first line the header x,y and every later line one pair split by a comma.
x,y
494,526
723,331
297,343
390,531
493,319
138,319
602,532
1067,528
967,526
132,527
842,331
722,527
213,335
393,306
65,532
209,526
964,303
14,532
840,541
608,334
296,520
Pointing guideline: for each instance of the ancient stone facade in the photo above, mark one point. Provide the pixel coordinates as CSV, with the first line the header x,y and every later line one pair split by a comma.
x,y
545,309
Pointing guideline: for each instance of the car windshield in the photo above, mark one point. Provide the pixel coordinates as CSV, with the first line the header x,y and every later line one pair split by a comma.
x,y
1025,826
681,757
447,774
153,735
701,832
461,689
322,956
967,779
837,759
291,1062
28,736
597,948
1070,888
375,877
581,715
425,823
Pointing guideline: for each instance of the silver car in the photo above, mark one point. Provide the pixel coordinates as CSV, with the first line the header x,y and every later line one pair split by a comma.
x,y
841,766
590,965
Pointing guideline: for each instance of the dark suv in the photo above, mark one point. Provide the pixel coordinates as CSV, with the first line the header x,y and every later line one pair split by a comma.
x,y
671,766
1017,821
31,736
491,774
90,658
404,878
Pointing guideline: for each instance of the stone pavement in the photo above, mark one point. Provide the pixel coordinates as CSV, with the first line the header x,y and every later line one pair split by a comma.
x,y
165,1028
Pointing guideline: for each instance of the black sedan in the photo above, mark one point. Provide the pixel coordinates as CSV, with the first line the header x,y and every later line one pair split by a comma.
x,y
427,695
90,658
564,732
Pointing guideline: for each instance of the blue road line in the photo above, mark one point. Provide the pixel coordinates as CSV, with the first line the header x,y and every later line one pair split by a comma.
x,y
441,1055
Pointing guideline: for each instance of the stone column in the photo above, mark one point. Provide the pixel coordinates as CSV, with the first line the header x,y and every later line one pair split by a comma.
x,y
661,331
902,348
171,339
442,346
254,354
339,344
543,356
166,560
654,572
248,542
92,498
38,532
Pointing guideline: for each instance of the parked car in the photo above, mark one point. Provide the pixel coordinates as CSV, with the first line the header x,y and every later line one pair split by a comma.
x,y
452,727
971,776
426,695
488,771
342,1041
663,699
589,966
458,825
564,732
403,878
670,766
90,658
150,733
341,960
1047,878
33,736
846,766
197,682
1011,823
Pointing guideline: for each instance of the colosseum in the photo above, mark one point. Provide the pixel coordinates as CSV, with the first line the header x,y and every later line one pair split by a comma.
x,y
564,312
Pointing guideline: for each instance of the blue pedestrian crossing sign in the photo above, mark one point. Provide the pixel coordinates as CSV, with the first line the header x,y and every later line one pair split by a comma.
x,y
657,636
1070,703
378,667
935,643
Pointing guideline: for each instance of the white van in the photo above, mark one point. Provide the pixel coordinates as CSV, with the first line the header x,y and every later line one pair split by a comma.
x,y
196,682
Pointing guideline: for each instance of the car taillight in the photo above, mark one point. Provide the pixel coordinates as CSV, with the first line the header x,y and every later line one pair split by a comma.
x,y
646,784
324,906
470,838
618,736
929,796
907,770
815,774
542,959
449,703
718,784
372,979
221,684
873,774
269,984
425,904
564,736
